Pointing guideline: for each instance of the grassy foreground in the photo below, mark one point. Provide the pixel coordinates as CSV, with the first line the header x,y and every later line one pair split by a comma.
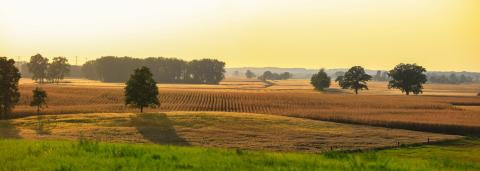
x,y
84,155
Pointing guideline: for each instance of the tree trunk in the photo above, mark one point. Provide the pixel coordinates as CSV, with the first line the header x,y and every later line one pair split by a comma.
x,y
5,113
141,109
38,110
408,93
356,91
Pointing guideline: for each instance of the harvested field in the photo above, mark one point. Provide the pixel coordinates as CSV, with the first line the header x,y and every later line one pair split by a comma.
x,y
426,113
230,130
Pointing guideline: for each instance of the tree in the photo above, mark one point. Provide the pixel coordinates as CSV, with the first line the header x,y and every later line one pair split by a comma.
x,y
58,69
408,78
39,99
285,76
141,90
9,95
38,67
355,78
320,80
249,74
267,75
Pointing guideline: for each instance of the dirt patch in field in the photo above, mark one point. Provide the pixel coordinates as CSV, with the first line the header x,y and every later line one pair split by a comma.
x,y
216,129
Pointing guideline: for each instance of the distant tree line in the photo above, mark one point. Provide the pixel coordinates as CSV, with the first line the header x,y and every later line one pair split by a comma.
x,y
41,70
164,70
451,79
268,75
381,76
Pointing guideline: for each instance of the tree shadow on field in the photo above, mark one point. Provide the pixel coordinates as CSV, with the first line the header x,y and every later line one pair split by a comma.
x,y
158,129
45,125
8,130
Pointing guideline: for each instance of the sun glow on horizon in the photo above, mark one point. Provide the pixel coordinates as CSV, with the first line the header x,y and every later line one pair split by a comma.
x,y
377,34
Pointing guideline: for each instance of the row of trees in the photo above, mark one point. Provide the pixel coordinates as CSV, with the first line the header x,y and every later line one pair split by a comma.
x,y
409,78
42,70
141,90
381,76
268,75
451,79
165,70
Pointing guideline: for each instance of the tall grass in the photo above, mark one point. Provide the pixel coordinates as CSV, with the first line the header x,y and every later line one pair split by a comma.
x,y
87,155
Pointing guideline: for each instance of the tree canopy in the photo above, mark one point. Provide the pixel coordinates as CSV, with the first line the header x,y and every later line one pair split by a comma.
x,y
9,77
58,69
165,70
320,80
206,71
141,90
355,78
41,70
38,66
268,75
409,78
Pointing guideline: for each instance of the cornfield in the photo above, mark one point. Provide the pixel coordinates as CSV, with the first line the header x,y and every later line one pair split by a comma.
x,y
424,113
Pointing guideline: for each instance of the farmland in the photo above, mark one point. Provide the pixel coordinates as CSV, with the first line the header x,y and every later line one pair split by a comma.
x,y
379,106
245,125
214,129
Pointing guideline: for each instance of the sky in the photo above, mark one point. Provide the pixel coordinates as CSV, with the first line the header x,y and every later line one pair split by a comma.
x,y
441,35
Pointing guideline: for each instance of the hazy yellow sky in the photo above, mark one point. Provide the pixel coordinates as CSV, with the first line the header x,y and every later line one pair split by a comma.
x,y
377,34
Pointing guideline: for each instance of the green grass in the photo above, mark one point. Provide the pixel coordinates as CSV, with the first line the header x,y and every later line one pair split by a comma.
x,y
84,155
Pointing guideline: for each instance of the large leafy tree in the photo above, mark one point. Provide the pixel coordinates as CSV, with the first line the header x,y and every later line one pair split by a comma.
x,y
39,99
58,69
9,95
320,80
38,67
355,78
409,78
141,90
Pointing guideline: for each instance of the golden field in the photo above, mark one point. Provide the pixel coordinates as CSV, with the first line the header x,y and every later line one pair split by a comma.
x,y
214,129
433,111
